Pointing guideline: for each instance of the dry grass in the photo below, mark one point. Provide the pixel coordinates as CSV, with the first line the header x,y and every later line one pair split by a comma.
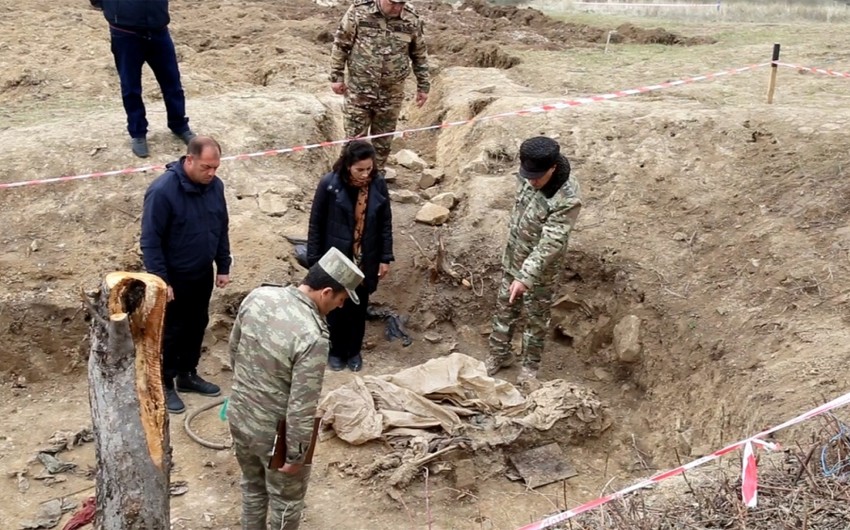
x,y
805,487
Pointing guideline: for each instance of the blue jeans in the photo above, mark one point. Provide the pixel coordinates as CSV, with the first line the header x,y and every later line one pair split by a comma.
x,y
132,50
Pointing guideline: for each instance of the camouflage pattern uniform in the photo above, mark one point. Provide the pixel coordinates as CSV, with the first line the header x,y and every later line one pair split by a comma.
x,y
537,242
278,349
379,51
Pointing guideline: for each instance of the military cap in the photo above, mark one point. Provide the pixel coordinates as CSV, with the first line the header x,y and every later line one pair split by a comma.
x,y
397,1
343,270
537,155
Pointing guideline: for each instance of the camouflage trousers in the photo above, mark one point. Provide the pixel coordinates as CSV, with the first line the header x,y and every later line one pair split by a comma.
x,y
374,113
537,303
271,500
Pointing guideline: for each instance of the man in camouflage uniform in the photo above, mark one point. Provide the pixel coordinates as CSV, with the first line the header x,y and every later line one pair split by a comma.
x,y
545,211
378,40
278,349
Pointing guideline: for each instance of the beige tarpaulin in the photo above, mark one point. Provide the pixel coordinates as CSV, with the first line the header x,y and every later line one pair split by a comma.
x,y
438,393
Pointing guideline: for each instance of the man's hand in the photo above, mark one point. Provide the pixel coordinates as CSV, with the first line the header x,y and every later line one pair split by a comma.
x,y
169,294
221,280
383,270
291,469
517,289
339,88
421,98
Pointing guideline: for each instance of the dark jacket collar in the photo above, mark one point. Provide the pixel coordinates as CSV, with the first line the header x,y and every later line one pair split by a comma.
x,y
185,182
559,178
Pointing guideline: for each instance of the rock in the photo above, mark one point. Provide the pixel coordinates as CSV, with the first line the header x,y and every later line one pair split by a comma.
x,y
433,214
430,177
602,374
405,197
566,303
805,130
465,474
680,236
410,160
428,320
627,339
272,204
432,337
479,166
390,174
446,200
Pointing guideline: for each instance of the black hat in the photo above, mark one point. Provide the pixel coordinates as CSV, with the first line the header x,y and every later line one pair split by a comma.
x,y
537,156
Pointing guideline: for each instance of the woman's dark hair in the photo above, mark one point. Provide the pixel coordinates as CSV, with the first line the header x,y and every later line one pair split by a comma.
x,y
317,279
352,153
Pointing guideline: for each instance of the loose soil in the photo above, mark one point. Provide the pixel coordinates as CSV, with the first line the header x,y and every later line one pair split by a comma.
x,y
719,220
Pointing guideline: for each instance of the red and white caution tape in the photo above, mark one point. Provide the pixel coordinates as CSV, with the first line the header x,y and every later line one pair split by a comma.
x,y
750,475
524,112
825,71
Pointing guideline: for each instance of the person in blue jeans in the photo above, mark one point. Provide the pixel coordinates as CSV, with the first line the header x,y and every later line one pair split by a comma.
x,y
138,30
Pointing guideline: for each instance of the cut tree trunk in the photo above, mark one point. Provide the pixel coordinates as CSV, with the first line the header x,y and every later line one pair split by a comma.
x,y
130,421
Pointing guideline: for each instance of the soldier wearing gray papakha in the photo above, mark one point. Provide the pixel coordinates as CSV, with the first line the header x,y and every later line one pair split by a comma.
x,y
546,209
278,349
378,40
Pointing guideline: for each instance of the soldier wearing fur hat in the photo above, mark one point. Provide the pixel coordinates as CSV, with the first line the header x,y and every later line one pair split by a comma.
x,y
545,212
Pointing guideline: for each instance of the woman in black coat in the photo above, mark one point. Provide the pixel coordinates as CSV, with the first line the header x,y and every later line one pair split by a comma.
x,y
351,211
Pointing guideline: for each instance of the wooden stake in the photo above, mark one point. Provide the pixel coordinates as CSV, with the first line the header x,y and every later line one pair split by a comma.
x,y
129,417
771,87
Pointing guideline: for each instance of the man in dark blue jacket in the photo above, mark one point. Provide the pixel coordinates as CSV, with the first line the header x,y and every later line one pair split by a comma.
x,y
185,231
139,34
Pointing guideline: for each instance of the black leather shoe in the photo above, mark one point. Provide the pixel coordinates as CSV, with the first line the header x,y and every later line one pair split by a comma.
x,y
192,382
355,364
173,402
335,363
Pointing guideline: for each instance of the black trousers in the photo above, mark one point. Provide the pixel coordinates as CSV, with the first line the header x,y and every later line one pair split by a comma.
x,y
131,51
348,326
186,319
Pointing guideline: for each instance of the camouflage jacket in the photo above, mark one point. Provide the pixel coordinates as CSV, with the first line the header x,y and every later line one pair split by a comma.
x,y
378,49
539,232
278,349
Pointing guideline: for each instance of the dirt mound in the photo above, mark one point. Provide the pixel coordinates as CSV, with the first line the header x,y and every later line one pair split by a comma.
x,y
633,34
563,34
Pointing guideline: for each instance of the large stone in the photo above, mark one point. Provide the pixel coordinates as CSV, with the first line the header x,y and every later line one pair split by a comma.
x,y
479,166
390,174
429,178
627,339
272,204
446,200
410,160
433,214
405,197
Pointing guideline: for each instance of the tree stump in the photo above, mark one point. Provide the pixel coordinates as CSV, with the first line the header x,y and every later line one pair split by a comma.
x,y
129,417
